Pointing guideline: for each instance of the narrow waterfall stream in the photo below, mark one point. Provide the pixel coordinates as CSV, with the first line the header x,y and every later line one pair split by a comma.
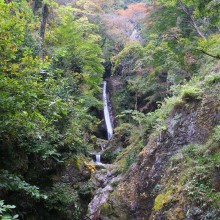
x,y
98,158
106,112
107,119
106,177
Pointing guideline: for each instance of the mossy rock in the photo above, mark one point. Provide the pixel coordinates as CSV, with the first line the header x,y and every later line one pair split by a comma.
x,y
109,212
76,160
162,199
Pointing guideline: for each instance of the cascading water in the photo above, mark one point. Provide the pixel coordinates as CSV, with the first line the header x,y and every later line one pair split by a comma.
x,y
98,158
107,120
107,178
106,112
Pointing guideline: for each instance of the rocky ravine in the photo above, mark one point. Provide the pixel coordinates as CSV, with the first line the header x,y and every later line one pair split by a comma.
x,y
103,180
134,196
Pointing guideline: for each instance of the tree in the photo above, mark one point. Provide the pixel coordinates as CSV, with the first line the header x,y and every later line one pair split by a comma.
x,y
45,103
208,9
45,14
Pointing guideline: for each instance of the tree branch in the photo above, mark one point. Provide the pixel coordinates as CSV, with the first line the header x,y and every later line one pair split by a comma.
x,y
103,43
192,21
208,54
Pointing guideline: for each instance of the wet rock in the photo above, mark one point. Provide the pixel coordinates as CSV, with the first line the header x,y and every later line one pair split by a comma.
x,y
101,196
103,181
99,166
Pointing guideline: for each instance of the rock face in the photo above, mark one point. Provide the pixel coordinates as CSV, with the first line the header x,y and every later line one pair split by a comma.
x,y
135,195
104,181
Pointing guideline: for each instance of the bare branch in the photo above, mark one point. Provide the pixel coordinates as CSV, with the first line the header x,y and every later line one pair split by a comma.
x,y
211,55
192,20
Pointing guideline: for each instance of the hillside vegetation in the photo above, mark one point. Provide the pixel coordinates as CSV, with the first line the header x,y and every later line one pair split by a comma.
x,y
161,59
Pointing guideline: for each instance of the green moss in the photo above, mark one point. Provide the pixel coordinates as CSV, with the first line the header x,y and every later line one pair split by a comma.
x,y
78,163
212,79
216,136
162,199
76,160
106,209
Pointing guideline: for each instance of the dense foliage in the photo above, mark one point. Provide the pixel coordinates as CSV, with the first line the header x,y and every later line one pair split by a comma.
x,y
169,70
52,57
177,38
46,94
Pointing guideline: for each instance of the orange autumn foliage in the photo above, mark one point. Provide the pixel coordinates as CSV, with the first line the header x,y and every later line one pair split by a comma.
x,y
133,9
121,25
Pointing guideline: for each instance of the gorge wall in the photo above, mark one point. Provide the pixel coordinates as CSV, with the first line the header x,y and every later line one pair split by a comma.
x,y
160,184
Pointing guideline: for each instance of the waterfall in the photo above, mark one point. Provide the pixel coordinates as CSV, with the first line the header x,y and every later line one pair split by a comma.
x,y
106,112
98,158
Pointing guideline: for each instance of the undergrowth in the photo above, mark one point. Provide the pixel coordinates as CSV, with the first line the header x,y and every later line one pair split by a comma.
x,y
193,177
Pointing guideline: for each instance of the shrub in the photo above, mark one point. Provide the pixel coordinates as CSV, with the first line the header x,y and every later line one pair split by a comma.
x,y
212,79
64,200
198,166
6,211
216,136
130,159
190,93
108,156
85,191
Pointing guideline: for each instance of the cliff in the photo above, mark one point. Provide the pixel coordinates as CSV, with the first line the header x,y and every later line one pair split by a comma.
x,y
176,175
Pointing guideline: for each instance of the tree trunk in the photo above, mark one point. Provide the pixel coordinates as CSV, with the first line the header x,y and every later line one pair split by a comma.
x,y
45,14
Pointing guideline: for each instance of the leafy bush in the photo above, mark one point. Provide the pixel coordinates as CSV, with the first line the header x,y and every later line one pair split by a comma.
x,y
212,79
216,136
189,92
108,156
86,191
197,170
127,58
130,159
45,100
14,183
6,210
64,200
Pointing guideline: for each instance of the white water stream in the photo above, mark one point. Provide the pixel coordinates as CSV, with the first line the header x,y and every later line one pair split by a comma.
x,y
104,180
106,112
98,158
107,119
